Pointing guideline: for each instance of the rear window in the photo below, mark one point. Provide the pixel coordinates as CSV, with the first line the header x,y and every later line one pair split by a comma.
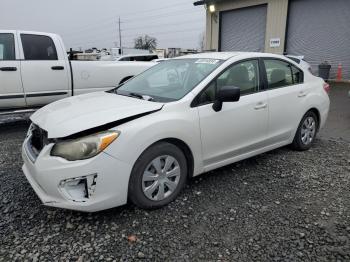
x,y
278,73
7,47
281,73
38,47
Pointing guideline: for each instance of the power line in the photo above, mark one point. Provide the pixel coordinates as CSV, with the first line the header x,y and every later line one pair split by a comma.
x,y
158,35
99,30
168,32
169,24
155,17
155,9
126,43
111,31
111,18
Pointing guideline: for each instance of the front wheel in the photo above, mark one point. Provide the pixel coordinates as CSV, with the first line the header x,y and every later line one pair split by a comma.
x,y
158,176
306,132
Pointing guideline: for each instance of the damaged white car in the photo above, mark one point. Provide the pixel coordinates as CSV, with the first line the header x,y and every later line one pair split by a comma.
x,y
142,140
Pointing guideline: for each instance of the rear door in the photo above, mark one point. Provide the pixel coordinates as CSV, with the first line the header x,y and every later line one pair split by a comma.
x,y
11,90
45,75
286,91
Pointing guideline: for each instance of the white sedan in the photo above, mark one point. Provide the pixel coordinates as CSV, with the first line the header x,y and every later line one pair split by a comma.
x,y
142,140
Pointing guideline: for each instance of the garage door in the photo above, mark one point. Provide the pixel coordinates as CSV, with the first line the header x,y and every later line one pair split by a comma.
x,y
243,29
319,30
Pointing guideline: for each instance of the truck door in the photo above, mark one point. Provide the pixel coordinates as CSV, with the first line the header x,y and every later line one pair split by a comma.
x,y
45,74
11,90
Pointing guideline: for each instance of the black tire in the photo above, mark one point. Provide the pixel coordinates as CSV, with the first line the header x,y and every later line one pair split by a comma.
x,y
298,143
135,191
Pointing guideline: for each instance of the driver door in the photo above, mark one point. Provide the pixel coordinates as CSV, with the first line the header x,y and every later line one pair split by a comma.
x,y
240,127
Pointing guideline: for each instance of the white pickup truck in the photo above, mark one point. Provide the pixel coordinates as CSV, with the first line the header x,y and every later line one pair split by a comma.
x,y
35,71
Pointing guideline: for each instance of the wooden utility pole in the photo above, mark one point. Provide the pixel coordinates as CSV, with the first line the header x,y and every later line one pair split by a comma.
x,y
120,38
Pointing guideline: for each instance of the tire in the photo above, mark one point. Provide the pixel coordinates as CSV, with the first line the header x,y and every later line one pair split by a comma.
x,y
144,176
305,135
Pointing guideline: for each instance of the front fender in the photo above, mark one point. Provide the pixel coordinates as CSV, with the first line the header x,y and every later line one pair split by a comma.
x,y
136,136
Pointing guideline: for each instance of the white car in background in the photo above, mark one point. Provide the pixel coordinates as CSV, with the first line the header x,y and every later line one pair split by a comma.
x,y
183,117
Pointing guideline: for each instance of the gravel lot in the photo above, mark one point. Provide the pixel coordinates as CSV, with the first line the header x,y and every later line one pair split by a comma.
x,y
282,205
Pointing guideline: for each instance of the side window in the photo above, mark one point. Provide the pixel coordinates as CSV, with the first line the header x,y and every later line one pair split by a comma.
x,y
244,75
278,73
297,75
38,47
7,47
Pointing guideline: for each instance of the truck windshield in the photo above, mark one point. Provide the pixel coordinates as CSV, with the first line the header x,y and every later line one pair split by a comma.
x,y
170,80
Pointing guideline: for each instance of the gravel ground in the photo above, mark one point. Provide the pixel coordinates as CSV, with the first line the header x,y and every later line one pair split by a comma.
x,y
279,206
338,122
282,205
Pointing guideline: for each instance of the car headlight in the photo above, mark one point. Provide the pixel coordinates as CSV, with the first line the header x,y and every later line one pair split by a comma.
x,y
85,147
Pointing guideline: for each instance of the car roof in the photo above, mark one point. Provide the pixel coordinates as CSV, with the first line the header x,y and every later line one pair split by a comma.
x,y
211,55
229,55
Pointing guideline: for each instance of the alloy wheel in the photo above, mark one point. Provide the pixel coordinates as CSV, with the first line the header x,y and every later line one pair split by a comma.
x,y
308,130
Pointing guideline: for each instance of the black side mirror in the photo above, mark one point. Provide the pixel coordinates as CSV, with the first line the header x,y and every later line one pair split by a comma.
x,y
226,94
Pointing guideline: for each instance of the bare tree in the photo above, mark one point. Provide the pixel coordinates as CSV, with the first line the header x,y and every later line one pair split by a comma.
x,y
201,41
145,42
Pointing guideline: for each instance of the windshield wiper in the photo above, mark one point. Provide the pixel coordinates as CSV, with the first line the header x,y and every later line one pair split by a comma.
x,y
136,95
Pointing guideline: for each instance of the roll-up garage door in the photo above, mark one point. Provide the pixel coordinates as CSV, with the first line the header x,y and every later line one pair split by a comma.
x,y
320,30
243,29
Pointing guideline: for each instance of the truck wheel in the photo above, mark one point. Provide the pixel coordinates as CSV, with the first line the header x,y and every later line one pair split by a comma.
x,y
158,176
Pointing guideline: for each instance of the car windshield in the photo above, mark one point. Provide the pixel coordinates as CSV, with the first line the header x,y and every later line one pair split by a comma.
x,y
170,80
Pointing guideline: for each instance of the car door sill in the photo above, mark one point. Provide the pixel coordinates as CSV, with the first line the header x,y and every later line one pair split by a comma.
x,y
241,154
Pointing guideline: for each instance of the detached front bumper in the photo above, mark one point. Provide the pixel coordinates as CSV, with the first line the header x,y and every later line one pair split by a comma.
x,y
86,185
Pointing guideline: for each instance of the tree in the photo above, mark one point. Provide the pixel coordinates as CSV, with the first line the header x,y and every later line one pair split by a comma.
x,y
145,42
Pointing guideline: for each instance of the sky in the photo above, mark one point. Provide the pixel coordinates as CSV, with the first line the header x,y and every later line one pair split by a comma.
x,y
86,23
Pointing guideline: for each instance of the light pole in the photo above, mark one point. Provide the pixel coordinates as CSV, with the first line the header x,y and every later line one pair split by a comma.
x,y
212,16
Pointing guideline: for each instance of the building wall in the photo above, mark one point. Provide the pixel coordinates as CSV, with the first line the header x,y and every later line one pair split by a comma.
x,y
277,11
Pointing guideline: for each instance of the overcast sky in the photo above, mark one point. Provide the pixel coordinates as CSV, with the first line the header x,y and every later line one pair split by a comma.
x,y
87,23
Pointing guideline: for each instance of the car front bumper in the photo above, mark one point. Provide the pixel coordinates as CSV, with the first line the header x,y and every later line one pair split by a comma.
x,y
106,180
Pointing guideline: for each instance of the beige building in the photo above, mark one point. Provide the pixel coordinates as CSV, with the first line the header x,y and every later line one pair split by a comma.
x,y
316,29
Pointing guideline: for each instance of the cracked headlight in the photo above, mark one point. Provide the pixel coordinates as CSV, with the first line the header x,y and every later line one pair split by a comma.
x,y
85,147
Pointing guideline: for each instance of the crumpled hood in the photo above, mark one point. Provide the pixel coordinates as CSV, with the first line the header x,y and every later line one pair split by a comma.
x,y
79,113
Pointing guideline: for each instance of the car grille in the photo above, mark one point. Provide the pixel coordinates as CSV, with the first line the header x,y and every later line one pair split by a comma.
x,y
38,139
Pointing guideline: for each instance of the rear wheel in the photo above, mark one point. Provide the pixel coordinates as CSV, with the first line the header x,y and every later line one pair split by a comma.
x,y
158,176
306,132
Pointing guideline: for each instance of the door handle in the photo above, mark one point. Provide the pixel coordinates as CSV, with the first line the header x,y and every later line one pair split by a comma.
x,y
302,94
260,105
57,67
8,68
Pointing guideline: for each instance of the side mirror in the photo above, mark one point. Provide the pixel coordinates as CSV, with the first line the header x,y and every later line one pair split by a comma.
x,y
226,94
